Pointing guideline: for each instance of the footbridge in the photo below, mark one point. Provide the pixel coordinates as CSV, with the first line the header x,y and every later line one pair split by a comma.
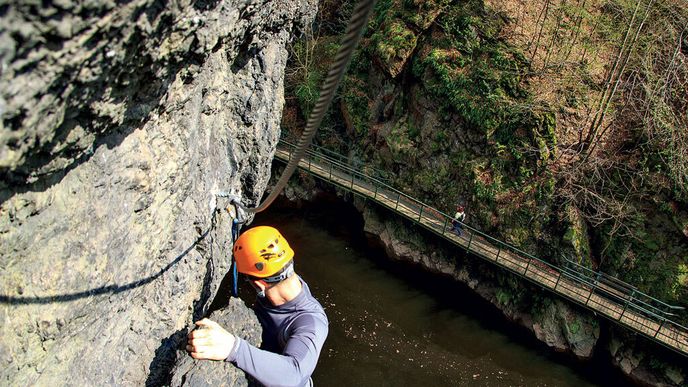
x,y
607,296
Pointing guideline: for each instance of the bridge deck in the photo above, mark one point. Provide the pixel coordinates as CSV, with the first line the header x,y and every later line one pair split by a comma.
x,y
599,297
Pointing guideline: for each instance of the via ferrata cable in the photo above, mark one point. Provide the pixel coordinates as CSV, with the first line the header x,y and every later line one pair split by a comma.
x,y
354,31
353,34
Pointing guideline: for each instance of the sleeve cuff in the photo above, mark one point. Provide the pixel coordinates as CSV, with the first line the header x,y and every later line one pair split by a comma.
x,y
235,348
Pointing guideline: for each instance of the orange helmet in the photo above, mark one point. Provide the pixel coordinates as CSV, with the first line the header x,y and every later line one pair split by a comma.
x,y
262,252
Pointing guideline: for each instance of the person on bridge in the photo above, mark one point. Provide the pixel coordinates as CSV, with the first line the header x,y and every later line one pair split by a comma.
x,y
294,323
459,217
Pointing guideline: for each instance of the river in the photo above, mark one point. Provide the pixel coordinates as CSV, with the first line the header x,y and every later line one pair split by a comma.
x,y
391,324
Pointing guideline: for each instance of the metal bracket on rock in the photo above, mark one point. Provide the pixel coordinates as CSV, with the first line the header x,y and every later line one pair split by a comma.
x,y
235,209
238,215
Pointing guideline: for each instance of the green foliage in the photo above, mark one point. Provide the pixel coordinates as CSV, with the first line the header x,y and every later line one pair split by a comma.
x,y
309,62
503,298
401,144
681,284
393,40
576,236
545,190
308,91
440,141
574,326
475,75
432,181
354,97
486,186
651,260
421,12
381,12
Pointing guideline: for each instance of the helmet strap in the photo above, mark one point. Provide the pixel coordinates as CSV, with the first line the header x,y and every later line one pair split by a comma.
x,y
259,291
285,273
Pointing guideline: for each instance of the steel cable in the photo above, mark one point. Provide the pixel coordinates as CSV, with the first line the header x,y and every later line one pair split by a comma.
x,y
352,36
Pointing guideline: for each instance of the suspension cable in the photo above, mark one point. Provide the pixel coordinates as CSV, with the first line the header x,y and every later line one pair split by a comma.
x,y
354,31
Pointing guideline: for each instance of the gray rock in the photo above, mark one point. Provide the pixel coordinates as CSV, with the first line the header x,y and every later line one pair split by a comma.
x,y
119,122
644,366
189,372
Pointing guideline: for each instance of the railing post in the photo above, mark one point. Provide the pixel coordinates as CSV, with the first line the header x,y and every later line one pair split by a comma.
x,y
660,328
557,283
397,205
352,181
420,213
527,266
628,301
444,228
375,194
592,290
468,247
499,250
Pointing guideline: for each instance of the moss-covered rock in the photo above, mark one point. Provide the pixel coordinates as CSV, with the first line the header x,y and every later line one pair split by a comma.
x,y
394,44
576,236
563,328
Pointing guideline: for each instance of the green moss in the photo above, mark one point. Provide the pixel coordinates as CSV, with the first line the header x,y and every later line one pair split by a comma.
x,y
573,327
393,40
545,189
503,298
357,103
519,235
577,236
421,13
681,283
400,143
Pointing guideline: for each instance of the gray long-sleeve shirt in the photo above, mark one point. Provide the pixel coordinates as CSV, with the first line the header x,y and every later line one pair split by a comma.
x,y
293,335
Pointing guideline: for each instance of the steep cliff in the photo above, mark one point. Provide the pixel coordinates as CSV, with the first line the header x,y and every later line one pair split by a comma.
x,y
119,122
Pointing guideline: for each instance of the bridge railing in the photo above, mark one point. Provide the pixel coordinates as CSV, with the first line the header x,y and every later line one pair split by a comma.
x,y
623,289
334,156
576,282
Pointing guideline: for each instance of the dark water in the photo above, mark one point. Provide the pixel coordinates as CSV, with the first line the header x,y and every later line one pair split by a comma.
x,y
393,325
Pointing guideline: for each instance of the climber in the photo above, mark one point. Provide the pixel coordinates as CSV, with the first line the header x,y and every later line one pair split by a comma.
x,y
294,323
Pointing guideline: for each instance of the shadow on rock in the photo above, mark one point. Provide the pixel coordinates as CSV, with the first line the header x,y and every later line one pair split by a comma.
x,y
114,289
165,358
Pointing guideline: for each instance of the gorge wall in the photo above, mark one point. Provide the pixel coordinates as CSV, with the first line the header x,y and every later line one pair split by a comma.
x,y
120,120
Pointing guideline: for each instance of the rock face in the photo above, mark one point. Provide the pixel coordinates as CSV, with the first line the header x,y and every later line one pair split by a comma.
x,y
119,122
642,366
236,318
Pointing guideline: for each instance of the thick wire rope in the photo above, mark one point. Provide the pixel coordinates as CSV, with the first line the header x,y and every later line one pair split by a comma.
x,y
354,31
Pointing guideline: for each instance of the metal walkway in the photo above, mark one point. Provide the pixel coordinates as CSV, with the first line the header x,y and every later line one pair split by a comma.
x,y
603,294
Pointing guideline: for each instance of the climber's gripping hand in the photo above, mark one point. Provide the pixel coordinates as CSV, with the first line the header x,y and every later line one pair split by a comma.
x,y
209,341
